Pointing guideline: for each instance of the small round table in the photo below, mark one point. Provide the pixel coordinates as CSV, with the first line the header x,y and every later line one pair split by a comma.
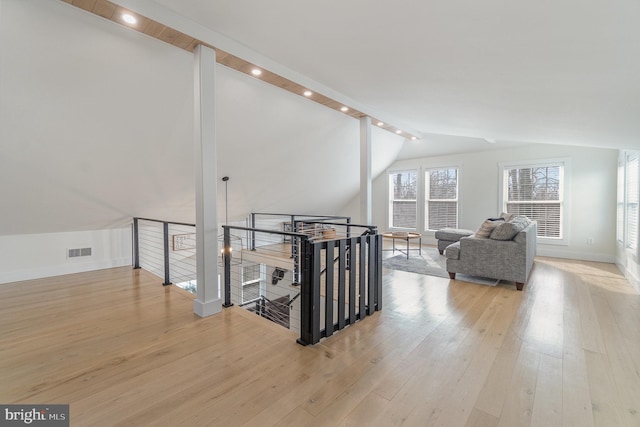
x,y
407,237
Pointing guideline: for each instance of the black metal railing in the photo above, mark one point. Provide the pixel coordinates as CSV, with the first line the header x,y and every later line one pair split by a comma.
x,y
275,311
333,281
340,277
288,222
314,226
165,248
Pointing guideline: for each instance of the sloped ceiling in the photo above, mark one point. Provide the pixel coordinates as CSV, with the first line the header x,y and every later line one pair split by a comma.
x,y
96,126
559,72
96,120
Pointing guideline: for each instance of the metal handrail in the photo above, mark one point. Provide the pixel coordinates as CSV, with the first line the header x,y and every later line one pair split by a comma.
x,y
165,245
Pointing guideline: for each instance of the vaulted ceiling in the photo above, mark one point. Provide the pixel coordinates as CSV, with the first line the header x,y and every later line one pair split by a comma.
x,y
96,120
561,72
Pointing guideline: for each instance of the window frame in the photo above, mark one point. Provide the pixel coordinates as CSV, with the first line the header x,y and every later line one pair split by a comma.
x,y
620,201
628,228
563,193
391,199
261,281
426,175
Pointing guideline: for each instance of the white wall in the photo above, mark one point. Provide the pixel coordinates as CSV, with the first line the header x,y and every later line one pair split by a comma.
x,y
96,127
96,124
591,201
32,256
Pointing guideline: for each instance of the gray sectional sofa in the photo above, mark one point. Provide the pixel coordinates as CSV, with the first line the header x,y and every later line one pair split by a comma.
x,y
494,257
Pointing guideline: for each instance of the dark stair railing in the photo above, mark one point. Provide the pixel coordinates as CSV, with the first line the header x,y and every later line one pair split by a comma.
x,y
360,291
276,311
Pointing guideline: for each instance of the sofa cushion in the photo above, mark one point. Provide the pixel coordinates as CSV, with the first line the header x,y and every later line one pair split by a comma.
x,y
452,234
506,231
521,219
507,216
453,251
487,227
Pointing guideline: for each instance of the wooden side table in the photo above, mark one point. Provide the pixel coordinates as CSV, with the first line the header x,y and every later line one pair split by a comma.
x,y
408,236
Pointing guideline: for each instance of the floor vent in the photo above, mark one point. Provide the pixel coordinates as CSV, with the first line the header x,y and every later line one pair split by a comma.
x,y
73,253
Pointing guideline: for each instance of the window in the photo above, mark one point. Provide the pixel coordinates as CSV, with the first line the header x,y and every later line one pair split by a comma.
x,y
403,189
537,191
620,203
632,198
251,282
441,198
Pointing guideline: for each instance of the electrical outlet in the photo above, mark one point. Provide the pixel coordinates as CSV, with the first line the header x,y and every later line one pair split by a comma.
x,y
589,240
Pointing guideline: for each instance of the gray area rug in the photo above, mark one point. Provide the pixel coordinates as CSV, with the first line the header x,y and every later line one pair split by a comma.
x,y
430,263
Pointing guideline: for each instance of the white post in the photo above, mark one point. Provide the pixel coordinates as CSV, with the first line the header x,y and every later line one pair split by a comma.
x,y
208,299
365,170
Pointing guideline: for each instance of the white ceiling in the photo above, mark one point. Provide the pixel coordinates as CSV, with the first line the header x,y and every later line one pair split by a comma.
x,y
559,72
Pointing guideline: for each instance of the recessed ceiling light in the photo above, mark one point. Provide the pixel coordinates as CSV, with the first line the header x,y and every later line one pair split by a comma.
x,y
256,72
307,93
398,131
129,18
413,138
380,124
344,109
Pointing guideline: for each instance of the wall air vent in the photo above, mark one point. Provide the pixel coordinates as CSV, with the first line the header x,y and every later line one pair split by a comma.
x,y
73,253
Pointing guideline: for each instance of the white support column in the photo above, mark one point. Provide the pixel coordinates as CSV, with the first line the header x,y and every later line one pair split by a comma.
x,y
208,299
365,170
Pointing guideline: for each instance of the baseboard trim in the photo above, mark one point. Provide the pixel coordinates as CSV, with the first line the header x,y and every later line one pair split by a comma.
x,y
553,252
632,278
60,270
205,309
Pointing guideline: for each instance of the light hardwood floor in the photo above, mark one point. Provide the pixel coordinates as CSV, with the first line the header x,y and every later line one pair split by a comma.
x,y
123,350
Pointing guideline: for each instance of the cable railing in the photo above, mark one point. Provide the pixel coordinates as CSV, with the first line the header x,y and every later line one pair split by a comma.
x,y
275,311
167,249
339,281
262,279
314,226
320,276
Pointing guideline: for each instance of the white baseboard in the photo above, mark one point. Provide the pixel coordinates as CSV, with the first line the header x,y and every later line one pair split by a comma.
x,y
59,270
205,309
632,278
555,252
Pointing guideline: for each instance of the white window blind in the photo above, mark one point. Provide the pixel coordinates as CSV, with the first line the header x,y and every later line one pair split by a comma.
x,y
251,282
632,196
536,192
441,198
403,189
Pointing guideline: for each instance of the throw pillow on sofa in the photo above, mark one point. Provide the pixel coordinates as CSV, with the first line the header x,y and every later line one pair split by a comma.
x,y
521,219
506,231
511,228
487,227
507,216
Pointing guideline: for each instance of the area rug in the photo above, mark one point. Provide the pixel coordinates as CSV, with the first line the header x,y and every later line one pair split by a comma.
x,y
430,263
